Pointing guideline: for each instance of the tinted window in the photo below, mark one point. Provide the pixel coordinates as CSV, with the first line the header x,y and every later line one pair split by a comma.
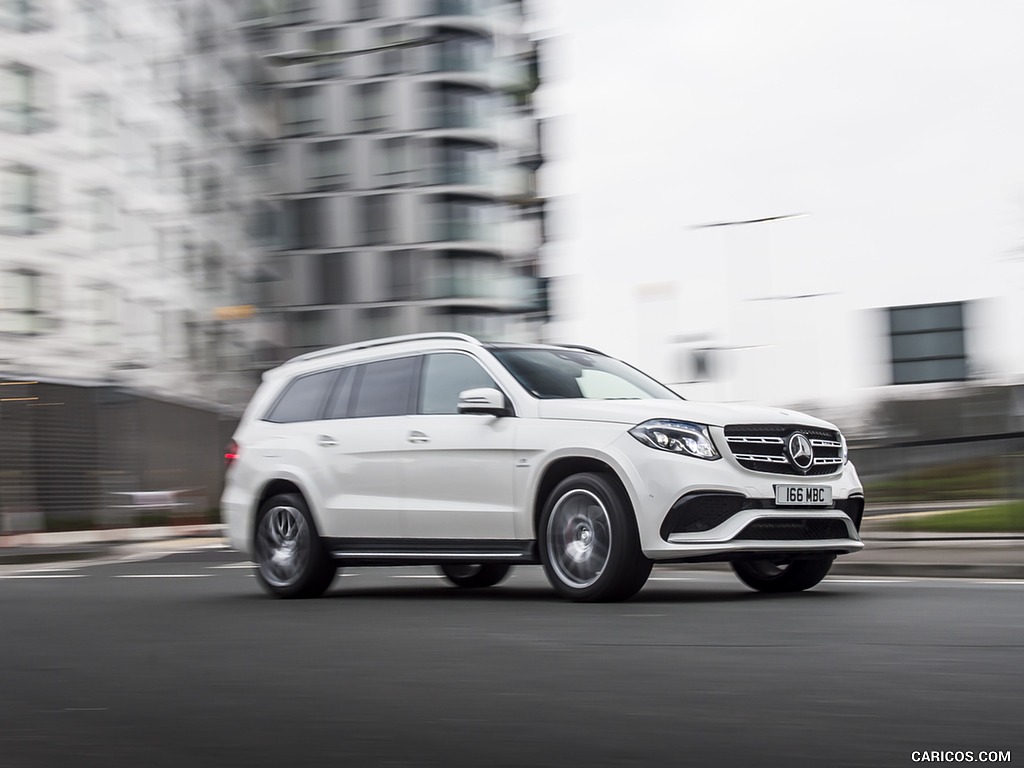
x,y
385,388
303,399
444,376
337,404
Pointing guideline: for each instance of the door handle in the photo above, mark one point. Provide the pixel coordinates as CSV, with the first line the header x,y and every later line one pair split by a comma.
x,y
326,441
417,437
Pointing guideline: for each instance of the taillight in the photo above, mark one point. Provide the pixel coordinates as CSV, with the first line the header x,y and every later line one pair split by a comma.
x,y
230,454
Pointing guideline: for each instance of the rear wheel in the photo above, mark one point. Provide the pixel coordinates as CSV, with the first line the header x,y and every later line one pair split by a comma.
x,y
476,575
780,575
291,559
589,544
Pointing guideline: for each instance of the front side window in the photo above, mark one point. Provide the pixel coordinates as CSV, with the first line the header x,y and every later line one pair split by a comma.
x,y
385,388
445,375
571,374
303,399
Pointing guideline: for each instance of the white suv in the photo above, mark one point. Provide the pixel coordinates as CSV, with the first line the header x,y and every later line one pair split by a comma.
x,y
439,449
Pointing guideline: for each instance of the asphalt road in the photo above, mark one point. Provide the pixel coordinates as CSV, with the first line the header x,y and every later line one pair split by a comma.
x,y
181,661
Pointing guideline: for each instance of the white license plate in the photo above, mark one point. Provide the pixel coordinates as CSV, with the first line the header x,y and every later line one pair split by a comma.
x,y
803,496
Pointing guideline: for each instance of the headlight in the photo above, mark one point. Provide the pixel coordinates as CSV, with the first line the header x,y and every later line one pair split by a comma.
x,y
677,437
845,449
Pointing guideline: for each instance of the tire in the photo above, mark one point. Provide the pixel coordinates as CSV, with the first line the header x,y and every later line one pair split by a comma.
x,y
772,576
475,576
588,541
291,559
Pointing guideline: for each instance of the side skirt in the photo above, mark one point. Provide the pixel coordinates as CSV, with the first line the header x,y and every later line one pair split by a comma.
x,y
387,551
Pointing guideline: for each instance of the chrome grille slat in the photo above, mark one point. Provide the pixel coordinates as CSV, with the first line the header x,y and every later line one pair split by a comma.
x,y
769,442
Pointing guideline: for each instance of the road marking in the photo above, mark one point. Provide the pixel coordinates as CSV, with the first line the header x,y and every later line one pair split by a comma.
x,y
417,576
672,578
161,575
43,576
230,566
865,581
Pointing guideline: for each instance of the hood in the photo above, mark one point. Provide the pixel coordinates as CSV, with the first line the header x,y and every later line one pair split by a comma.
x,y
636,411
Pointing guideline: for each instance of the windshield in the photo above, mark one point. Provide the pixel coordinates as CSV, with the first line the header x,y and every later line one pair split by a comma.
x,y
567,373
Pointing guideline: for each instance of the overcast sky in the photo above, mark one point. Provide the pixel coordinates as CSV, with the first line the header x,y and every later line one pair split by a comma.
x,y
898,127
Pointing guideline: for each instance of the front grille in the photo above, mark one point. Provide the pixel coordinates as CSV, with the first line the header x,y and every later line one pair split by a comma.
x,y
762,448
790,529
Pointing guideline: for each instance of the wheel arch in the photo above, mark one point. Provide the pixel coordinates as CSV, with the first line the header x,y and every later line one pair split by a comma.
x,y
276,486
565,466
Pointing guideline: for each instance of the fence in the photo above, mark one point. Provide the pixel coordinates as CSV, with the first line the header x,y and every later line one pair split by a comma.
x,y
78,457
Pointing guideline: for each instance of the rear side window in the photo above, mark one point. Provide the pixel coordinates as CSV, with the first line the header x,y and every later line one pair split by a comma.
x,y
444,376
384,388
303,399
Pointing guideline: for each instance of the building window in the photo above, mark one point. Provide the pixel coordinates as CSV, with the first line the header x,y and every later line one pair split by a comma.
x,y
366,10
465,219
27,302
303,112
371,114
326,42
25,15
99,124
26,201
376,216
96,28
306,222
337,278
326,165
394,167
26,99
309,329
462,53
466,163
298,11
462,7
402,281
462,107
390,62
102,217
927,343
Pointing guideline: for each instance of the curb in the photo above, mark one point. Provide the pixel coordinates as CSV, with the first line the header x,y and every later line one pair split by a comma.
x,y
30,555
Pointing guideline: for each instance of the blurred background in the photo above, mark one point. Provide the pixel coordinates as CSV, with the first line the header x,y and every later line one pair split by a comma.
x,y
812,205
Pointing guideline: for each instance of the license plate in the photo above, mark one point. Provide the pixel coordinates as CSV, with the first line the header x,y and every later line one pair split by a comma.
x,y
803,495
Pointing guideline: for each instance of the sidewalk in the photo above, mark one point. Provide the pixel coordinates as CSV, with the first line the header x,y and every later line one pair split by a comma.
x,y
886,553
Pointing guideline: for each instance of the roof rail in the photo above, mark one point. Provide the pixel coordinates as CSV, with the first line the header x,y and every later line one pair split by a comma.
x,y
583,348
383,342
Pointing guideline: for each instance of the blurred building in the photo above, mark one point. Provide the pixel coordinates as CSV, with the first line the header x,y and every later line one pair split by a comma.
x,y
404,180
126,267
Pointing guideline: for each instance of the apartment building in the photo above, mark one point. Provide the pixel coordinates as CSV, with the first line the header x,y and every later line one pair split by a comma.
x,y
405,169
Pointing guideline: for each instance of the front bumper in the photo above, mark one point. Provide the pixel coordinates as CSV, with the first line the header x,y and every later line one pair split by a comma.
x,y
756,526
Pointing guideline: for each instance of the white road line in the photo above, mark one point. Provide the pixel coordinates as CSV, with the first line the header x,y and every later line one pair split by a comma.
x,y
417,576
231,566
43,576
672,578
161,575
865,581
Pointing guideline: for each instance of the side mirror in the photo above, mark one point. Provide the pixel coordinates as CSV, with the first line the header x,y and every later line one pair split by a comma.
x,y
483,400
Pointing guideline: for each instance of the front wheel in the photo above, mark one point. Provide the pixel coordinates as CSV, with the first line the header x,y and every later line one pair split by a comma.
x,y
291,559
475,576
780,575
589,544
